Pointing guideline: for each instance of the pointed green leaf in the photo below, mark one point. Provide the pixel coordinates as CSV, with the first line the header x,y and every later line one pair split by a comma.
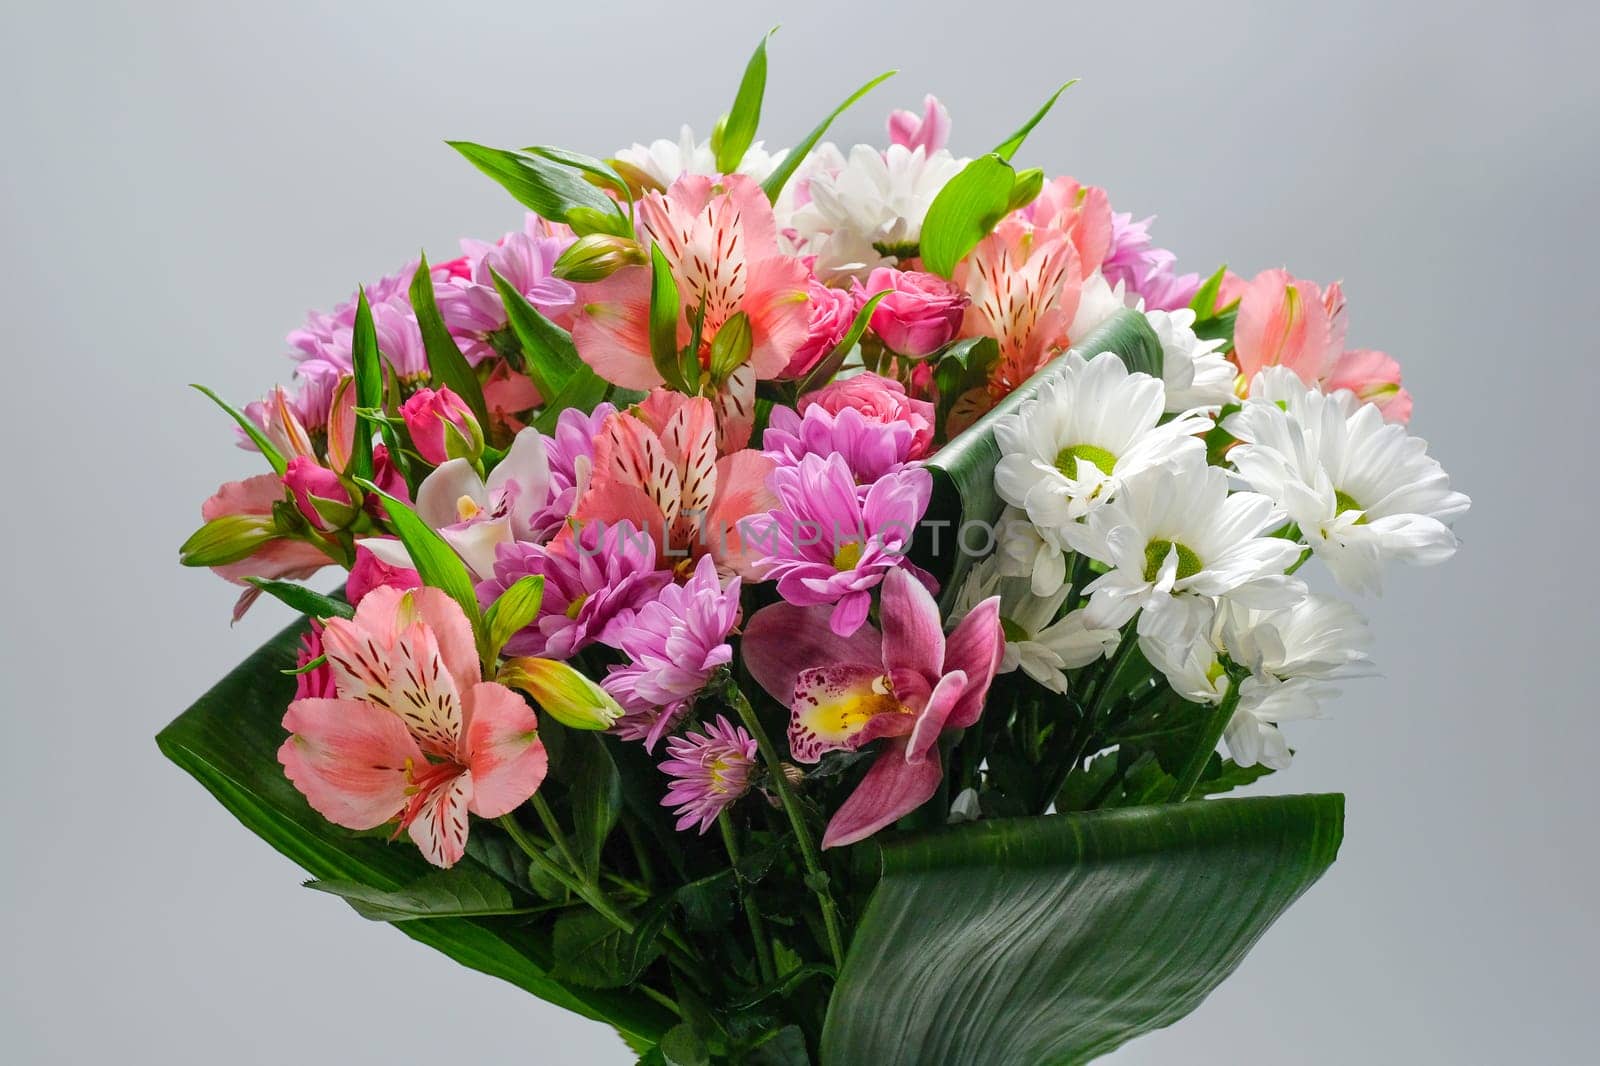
x,y
964,212
785,170
513,610
1008,147
597,171
829,365
369,385
437,563
303,599
1057,939
446,365
591,952
550,356
251,430
594,791
549,189
1204,301
461,892
739,131
682,1047
665,310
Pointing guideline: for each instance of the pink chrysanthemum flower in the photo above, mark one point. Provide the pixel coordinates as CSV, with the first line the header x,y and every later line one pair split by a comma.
x,y
871,449
831,543
471,304
674,643
571,453
1145,270
710,770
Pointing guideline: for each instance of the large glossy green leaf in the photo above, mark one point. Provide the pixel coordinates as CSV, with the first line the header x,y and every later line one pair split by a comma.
x,y
229,741
1049,941
963,470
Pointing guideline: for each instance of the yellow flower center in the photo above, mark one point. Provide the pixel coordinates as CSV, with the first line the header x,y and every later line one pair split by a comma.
x,y
1156,552
467,509
848,555
1067,459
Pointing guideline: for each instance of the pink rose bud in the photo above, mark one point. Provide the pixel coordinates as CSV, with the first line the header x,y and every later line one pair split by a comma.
x,y
371,572
920,315
442,426
832,311
319,494
879,399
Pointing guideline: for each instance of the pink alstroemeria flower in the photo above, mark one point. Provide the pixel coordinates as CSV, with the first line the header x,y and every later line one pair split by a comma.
x,y
1082,212
1375,378
1025,285
656,465
721,241
414,732
474,515
908,684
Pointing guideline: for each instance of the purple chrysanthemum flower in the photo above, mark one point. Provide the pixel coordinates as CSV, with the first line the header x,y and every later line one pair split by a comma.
x,y
599,578
471,305
1144,270
831,543
675,643
709,770
326,335
571,452
871,449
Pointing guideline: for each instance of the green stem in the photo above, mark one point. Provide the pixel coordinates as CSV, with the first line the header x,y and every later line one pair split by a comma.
x,y
660,998
1208,744
818,878
553,827
751,911
588,893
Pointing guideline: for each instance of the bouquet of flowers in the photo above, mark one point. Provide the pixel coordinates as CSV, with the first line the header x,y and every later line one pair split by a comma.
x,y
796,599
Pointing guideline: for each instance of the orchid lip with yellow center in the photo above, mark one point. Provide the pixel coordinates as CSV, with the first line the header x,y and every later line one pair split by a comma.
x,y
467,509
1070,458
1155,556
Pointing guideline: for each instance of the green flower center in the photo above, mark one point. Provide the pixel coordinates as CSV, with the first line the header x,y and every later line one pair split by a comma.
x,y
1014,633
1067,459
1156,552
848,555
1343,502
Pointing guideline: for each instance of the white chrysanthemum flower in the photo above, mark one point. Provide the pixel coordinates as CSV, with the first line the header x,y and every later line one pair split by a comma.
x,y
1193,371
1024,550
1175,531
1090,427
1362,490
866,210
1037,642
665,161
1098,300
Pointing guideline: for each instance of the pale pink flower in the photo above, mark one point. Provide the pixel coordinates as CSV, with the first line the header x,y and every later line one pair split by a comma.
x,y
1375,378
1082,212
928,131
921,313
909,684
440,422
280,557
414,733
1286,321
369,572
720,240
878,399
830,313
710,770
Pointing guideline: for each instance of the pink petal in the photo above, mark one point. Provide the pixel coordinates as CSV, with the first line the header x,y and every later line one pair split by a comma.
x,y
439,828
776,296
850,613
612,328
349,760
913,633
931,722
1283,322
742,493
892,789
782,640
502,749
975,647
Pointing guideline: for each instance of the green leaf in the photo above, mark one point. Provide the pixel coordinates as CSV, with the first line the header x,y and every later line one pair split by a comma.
x,y
966,209
446,365
665,310
829,365
963,470
461,892
1224,775
791,162
251,430
594,791
513,610
593,953
551,357
549,189
369,385
303,599
1204,301
961,367
682,1047
1057,939
597,171
437,563
228,741
739,130
1006,148
786,1047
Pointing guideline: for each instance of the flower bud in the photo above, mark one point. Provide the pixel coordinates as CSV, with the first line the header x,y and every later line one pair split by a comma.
x,y
587,220
562,692
319,495
1025,189
596,257
227,539
442,426
730,349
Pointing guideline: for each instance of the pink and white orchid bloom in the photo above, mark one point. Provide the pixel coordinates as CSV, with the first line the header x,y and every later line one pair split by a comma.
x,y
413,732
908,684
656,465
475,515
721,241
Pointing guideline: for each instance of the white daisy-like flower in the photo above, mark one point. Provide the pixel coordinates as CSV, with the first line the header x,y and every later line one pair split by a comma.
x,y
1098,300
1024,550
866,210
1090,427
1362,490
1175,531
1193,371
1037,642
665,161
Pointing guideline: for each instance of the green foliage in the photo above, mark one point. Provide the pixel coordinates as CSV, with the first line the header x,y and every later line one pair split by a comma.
x,y
460,892
738,130
665,310
1115,923
548,188
965,211
268,450
830,363
446,365
1006,148
513,610
591,952
302,599
594,792
437,563
780,175
368,374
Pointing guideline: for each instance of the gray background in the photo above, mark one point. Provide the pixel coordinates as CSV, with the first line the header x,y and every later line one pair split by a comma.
x,y
182,181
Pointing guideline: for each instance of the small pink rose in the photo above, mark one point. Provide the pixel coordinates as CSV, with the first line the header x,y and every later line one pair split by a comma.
x,y
878,399
370,572
831,312
318,494
921,314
